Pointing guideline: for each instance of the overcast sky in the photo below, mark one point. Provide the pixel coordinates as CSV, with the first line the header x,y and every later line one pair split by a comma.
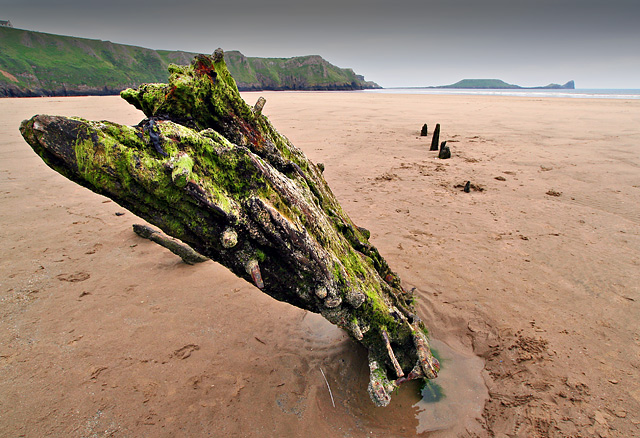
x,y
393,42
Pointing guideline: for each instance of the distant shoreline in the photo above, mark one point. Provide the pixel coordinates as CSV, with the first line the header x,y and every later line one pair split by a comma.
x,y
594,93
585,93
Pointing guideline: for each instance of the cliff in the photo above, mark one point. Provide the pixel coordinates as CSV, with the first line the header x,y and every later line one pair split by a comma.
x,y
299,73
40,64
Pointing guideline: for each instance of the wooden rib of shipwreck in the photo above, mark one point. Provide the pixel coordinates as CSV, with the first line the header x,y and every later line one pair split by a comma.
x,y
213,172
185,252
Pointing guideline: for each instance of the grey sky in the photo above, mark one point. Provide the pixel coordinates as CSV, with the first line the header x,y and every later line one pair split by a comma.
x,y
393,42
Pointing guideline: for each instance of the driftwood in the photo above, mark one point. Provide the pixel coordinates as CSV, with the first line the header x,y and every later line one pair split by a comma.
x,y
210,170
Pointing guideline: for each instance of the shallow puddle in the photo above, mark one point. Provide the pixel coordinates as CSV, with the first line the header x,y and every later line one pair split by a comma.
x,y
452,400
458,393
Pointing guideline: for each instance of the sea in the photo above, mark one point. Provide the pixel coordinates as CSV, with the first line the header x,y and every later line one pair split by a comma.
x,y
577,93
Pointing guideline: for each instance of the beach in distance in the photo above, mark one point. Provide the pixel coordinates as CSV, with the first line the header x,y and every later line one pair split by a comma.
x,y
529,282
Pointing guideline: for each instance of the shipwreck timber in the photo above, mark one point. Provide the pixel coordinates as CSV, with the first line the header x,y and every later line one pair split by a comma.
x,y
212,171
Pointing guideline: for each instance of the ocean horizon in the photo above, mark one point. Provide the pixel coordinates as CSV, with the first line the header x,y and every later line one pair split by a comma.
x,y
583,93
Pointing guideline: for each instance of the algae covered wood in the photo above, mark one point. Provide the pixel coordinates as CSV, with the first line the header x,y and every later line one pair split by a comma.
x,y
210,170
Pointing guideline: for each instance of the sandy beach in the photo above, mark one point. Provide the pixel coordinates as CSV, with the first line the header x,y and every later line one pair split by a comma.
x,y
529,283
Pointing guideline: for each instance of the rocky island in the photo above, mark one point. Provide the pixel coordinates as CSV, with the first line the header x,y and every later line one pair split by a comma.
x,y
500,84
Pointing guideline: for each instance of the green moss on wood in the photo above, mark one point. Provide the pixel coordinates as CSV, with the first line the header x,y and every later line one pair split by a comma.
x,y
203,165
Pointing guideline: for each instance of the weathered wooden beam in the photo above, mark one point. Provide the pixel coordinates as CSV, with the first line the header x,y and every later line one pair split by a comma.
x,y
186,253
210,170
435,140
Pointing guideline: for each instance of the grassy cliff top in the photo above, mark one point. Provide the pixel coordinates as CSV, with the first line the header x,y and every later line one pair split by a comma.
x,y
35,63
300,72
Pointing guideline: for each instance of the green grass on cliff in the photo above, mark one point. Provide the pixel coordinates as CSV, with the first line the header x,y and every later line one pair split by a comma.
x,y
39,61
288,73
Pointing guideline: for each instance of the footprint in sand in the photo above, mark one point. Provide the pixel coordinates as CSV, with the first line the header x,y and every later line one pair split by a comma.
x,y
94,249
185,352
74,278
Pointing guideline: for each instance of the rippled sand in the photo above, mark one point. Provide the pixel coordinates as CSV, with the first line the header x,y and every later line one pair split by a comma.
x,y
530,286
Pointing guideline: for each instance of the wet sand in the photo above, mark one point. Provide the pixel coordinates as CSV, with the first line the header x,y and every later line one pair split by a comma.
x,y
530,287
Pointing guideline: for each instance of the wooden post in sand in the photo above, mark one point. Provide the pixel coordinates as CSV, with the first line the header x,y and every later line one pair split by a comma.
x,y
445,152
435,140
209,170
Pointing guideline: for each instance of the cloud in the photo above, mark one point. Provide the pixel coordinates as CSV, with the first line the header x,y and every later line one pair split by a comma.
x,y
404,42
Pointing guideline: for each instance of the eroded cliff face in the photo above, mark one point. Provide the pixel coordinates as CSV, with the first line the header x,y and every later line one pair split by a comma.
x,y
39,64
299,73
